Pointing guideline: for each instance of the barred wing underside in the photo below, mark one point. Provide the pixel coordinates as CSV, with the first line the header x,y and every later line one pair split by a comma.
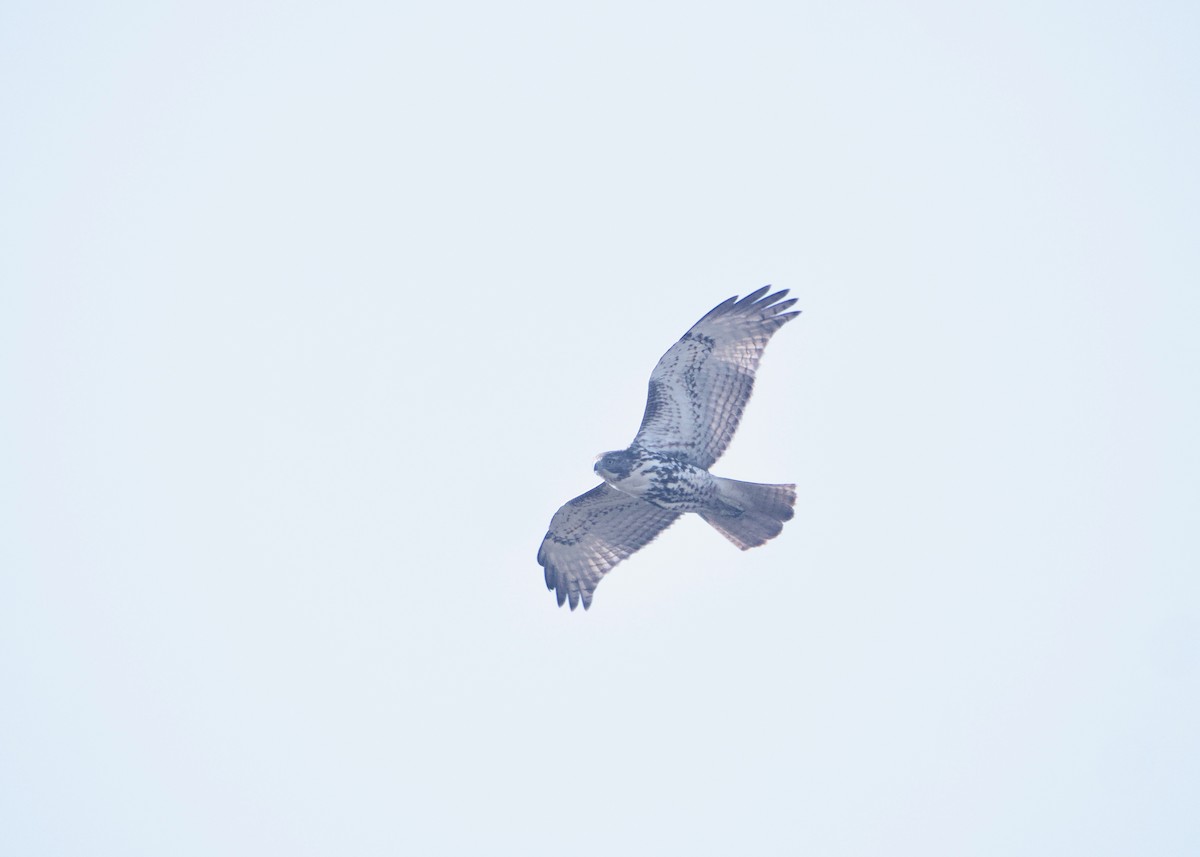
x,y
591,534
701,385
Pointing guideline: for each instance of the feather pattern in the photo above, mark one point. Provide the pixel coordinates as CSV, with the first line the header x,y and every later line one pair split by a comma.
x,y
697,393
701,385
591,534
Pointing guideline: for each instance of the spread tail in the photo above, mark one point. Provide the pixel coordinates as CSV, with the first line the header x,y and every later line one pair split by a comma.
x,y
750,514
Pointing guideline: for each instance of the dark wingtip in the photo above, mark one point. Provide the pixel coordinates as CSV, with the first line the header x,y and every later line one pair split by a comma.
x,y
753,296
776,309
768,305
720,308
735,304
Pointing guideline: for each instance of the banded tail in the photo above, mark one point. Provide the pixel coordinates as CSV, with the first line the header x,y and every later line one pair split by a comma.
x,y
751,513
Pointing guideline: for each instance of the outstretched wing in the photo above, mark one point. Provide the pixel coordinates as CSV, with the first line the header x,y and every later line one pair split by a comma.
x,y
591,534
700,386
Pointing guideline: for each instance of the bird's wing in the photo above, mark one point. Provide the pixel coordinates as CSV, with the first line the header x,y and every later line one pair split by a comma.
x,y
591,534
700,386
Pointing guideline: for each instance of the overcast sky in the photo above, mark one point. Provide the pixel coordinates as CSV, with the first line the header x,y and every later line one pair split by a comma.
x,y
311,316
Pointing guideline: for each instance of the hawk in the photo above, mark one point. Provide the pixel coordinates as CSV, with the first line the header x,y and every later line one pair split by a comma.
x,y
697,393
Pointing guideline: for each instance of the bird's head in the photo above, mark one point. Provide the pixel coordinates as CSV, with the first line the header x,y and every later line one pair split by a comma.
x,y
614,466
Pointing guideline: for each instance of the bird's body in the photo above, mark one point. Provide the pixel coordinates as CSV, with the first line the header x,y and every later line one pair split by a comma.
x,y
665,481
696,396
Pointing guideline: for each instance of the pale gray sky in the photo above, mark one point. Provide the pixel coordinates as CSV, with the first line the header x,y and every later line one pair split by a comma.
x,y
310,317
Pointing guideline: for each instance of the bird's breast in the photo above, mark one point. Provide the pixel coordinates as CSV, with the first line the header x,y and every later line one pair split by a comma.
x,y
667,483
637,482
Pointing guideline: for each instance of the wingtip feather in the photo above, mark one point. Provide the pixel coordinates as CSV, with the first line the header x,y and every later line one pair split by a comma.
x,y
754,296
768,305
776,309
720,308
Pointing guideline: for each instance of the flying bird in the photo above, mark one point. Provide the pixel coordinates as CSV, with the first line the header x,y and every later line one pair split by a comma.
x,y
697,393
